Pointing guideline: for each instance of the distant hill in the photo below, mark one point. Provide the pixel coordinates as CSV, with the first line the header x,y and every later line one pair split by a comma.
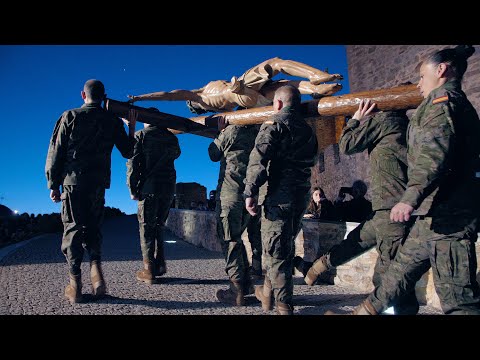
x,y
5,211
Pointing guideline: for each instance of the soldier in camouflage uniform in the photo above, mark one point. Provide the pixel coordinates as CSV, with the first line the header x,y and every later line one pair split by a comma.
x,y
232,148
384,137
287,146
151,178
443,190
79,160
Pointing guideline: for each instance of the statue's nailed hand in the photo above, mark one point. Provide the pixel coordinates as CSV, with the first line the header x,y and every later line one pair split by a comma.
x,y
132,98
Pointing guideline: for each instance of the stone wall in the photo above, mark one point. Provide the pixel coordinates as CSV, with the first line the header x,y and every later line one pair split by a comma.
x,y
334,170
185,193
195,227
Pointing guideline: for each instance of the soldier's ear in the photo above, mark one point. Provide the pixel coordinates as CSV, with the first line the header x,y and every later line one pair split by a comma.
x,y
277,104
441,69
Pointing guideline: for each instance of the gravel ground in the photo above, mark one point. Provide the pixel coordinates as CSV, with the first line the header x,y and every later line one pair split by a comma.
x,y
33,278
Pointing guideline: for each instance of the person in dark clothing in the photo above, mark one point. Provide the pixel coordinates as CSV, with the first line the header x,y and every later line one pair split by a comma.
x,y
284,153
151,179
358,208
320,207
232,147
384,137
79,161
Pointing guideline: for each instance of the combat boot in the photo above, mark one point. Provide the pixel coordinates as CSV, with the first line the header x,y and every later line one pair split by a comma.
x,y
73,291
283,308
263,293
99,288
318,267
234,295
146,275
365,308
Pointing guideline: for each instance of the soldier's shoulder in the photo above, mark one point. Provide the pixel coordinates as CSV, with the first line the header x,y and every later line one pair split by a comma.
x,y
272,122
73,111
440,97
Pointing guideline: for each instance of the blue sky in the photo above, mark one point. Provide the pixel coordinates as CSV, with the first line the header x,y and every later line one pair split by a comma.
x,y
39,82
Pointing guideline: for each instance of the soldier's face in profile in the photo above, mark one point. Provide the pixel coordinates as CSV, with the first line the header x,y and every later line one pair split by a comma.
x,y
429,79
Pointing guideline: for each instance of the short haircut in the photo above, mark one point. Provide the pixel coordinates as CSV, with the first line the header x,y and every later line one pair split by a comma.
x,y
289,95
94,90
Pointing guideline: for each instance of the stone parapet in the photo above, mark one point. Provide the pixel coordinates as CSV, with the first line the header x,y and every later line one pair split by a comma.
x,y
195,227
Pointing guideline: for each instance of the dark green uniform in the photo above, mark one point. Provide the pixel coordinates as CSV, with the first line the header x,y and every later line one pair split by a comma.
x,y
443,187
287,146
384,136
151,177
232,148
79,159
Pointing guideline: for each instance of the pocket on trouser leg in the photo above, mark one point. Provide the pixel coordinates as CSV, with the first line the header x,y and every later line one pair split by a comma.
x,y
279,245
66,208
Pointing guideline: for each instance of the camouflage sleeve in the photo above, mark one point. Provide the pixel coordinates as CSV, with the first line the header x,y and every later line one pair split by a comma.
x,y
435,142
266,146
57,151
218,146
357,137
135,166
123,142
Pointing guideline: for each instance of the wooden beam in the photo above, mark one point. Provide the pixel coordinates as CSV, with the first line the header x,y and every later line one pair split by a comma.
x,y
152,116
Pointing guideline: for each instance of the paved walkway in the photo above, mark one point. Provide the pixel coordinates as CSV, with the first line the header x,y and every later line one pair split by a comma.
x,y
33,278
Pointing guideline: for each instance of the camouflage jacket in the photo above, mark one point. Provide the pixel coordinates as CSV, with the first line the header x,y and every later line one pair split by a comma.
x,y
81,146
443,154
288,146
152,163
384,136
232,148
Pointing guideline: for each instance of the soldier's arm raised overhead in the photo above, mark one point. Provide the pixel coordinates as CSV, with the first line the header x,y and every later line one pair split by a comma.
x,y
361,131
221,142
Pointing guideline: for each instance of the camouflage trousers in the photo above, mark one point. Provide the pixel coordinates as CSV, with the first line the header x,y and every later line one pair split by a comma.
x,y
82,213
437,244
152,213
232,219
388,238
280,226
255,239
